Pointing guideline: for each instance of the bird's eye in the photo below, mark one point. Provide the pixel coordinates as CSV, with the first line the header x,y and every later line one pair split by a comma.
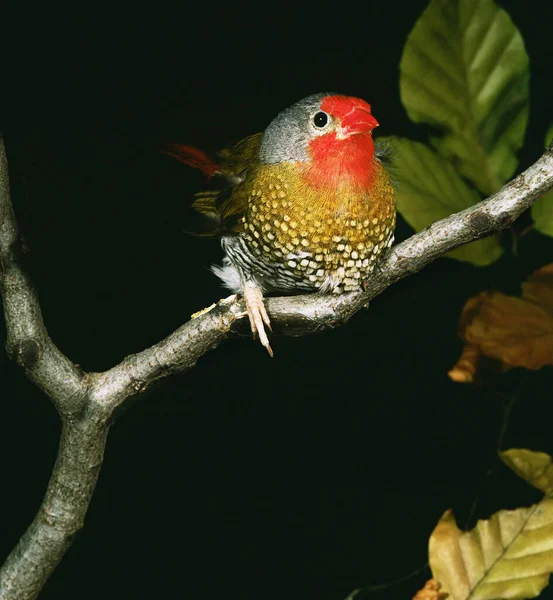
x,y
320,119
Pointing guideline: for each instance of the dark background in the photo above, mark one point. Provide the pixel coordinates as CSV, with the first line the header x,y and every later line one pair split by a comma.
x,y
305,476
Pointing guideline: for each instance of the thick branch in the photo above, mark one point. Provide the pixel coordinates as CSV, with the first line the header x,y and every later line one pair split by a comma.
x,y
28,341
62,512
84,432
86,402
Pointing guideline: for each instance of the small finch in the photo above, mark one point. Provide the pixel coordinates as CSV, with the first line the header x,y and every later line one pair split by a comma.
x,y
307,205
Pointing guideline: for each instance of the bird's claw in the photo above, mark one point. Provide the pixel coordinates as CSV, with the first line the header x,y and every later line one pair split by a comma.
x,y
253,296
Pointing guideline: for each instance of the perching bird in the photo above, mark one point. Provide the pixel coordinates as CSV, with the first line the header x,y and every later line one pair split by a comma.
x,y
307,205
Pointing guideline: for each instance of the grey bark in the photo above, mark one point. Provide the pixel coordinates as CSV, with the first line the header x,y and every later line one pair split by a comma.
x,y
86,402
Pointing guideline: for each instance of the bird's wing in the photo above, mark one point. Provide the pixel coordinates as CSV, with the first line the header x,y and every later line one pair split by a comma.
x,y
222,202
235,161
231,200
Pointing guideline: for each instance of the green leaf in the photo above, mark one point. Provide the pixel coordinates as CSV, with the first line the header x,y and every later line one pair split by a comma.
x,y
542,209
428,189
549,135
465,69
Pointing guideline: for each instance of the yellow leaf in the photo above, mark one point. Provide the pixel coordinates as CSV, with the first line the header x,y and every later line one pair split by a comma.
x,y
534,467
508,556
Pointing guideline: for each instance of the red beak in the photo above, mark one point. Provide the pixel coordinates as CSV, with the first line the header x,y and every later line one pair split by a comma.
x,y
358,120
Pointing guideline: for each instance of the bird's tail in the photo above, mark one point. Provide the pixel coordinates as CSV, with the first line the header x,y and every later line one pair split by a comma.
x,y
193,157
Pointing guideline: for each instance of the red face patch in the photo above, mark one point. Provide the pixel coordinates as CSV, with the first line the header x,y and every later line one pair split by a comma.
x,y
345,160
336,162
341,106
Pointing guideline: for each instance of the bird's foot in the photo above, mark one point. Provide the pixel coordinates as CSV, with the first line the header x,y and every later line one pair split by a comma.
x,y
253,296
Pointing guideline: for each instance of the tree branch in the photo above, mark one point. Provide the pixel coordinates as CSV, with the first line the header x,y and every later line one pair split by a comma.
x,y
87,402
28,341
62,512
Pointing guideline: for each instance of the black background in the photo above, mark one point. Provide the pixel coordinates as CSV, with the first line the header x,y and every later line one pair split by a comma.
x,y
305,476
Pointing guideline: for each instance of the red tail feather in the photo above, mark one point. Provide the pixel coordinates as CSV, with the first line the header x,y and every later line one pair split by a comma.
x,y
193,158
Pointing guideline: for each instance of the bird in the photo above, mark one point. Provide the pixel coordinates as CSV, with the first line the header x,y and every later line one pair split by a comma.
x,y
307,205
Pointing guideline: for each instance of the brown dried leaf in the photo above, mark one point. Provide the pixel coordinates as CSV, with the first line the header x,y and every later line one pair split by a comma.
x,y
534,467
512,330
539,287
517,332
473,367
508,556
431,591
464,370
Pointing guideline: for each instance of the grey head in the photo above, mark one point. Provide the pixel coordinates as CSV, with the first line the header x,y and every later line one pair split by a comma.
x,y
286,138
